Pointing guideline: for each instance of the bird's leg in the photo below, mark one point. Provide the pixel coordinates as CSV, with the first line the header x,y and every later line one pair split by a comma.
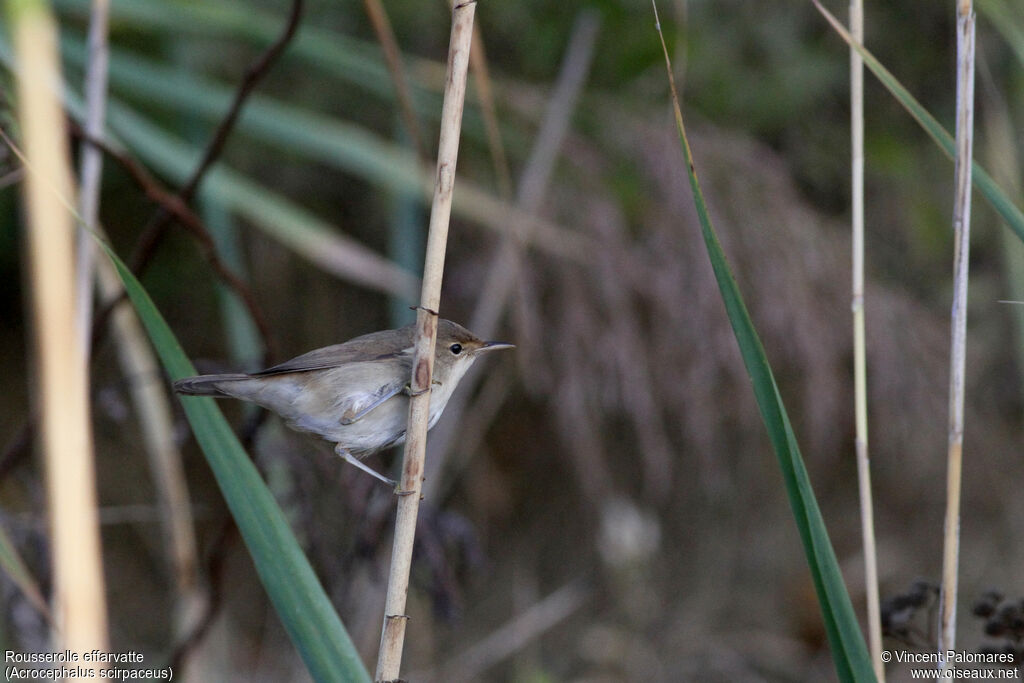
x,y
358,463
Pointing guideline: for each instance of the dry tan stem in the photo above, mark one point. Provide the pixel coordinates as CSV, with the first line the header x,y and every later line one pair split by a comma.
x,y
153,412
485,96
393,632
62,391
136,357
859,335
91,169
393,58
962,234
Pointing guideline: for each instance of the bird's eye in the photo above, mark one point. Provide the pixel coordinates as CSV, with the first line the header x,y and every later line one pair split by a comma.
x,y
456,349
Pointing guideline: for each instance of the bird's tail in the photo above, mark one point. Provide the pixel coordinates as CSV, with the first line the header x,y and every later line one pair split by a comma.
x,y
205,385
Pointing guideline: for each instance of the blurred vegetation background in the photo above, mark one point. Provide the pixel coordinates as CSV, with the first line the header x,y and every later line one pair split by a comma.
x,y
606,506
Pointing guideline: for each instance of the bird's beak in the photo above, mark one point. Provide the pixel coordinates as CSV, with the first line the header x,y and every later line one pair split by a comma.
x,y
496,345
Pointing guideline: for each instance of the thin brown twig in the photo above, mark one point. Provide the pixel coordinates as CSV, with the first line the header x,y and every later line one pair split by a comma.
x,y
169,205
18,447
174,206
157,228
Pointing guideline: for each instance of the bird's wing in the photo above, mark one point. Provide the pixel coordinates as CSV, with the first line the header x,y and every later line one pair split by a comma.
x,y
362,405
333,356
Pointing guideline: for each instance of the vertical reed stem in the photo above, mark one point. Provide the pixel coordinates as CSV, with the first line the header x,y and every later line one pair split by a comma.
x,y
62,385
393,632
859,353
91,170
962,232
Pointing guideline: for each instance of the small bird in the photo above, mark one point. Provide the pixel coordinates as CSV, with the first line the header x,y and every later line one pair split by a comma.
x,y
356,394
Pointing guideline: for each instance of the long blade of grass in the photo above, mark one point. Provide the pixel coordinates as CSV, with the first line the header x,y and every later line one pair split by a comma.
x,y
1009,212
293,588
847,643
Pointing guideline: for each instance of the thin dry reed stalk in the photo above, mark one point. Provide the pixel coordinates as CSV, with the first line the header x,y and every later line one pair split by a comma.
x,y
393,58
153,411
485,97
62,387
91,168
393,632
962,235
136,356
859,352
